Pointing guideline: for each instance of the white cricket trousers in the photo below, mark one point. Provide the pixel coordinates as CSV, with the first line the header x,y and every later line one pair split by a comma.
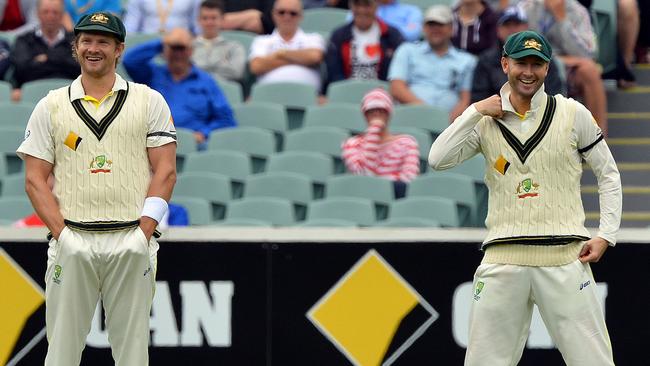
x,y
568,303
83,267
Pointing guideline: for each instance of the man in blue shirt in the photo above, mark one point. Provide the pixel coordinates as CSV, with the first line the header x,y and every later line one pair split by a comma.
x,y
195,100
433,71
405,17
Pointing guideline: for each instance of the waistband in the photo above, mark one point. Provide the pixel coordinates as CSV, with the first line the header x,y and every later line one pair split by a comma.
x,y
103,226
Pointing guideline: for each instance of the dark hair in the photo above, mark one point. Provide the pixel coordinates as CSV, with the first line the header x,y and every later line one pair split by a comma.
x,y
213,4
362,2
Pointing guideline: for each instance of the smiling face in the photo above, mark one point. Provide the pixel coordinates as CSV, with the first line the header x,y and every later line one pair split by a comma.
x,y
525,75
97,53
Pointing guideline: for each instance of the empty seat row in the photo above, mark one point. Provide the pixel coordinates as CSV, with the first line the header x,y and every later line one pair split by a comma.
x,y
336,211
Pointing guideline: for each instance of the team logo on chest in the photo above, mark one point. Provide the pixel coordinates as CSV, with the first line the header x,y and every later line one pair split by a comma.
x,y
100,164
527,188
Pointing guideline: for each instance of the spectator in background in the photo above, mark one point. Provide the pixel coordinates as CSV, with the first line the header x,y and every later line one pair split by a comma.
x,y
405,17
363,48
45,52
18,16
288,54
249,15
77,8
489,76
433,72
310,4
5,62
159,16
474,26
195,100
628,24
212,53
567,26
379,153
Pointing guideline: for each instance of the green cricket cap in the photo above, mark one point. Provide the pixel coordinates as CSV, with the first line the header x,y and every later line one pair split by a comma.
x,y
101,22
527,43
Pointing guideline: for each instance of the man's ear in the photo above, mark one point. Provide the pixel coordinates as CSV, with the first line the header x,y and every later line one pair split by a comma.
x,y
504,64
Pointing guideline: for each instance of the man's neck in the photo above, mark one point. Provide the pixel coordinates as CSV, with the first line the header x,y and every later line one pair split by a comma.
x,y
287,35
179,73
98,87
50,34
519,103
441,49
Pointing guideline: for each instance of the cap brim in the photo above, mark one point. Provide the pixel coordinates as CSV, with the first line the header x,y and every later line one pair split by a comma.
x,y
97,28
529,52
439,20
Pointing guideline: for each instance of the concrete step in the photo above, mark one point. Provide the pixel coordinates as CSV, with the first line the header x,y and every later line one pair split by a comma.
x,y
623,125
631,100
634,198
640,219
642,74
630,149
633,174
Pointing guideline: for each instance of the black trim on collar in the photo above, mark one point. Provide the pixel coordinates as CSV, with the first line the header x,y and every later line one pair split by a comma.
x,y
524,150
587,148
99,129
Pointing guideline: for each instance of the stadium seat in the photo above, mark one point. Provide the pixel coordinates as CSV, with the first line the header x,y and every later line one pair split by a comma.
x,y
358,210
185,145
257,142
326,140
424,143
408,222
5,90
15,114
323,20
457,187
242,221
425,117
234,164
199,210
212,187
13,186
232,90
134,38
295,97
475,168
434,210
10,139
317,166
328,223
342,115
378,190
277,211
242,37
15,208
425,4
33,91
352,90
270,116
294,187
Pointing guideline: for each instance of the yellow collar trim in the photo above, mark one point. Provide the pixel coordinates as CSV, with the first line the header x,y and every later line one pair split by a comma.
x,y
96,102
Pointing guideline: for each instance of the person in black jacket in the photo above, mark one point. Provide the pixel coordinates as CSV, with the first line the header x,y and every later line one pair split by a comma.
x,y
4,58
489,75
45,52
363,48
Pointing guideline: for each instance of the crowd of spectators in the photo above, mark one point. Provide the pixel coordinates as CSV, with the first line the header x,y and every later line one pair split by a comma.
x,y
446,57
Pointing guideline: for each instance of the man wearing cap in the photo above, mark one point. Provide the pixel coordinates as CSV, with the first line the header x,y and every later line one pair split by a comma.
x,y
537,250
110,145
433,72
488,75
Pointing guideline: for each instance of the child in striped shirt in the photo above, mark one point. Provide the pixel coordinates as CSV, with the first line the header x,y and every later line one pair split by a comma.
x,y
379,153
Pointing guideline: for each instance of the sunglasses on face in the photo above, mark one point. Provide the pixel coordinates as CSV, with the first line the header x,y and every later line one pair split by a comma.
x,y
292,13
177,47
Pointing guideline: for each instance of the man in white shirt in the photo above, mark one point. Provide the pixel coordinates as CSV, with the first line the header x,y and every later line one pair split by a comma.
x,y
288,54
537,250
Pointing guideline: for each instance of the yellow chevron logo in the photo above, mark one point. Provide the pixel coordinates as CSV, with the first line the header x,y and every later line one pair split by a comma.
x,y
21,297
361,313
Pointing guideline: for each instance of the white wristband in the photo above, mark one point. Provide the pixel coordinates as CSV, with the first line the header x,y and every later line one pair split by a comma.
x,y
154,207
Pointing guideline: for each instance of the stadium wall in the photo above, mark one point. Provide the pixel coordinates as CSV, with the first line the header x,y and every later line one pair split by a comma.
x,y
298,296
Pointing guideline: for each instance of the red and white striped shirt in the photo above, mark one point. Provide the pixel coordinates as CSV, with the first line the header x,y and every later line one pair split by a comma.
x,y
397,159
